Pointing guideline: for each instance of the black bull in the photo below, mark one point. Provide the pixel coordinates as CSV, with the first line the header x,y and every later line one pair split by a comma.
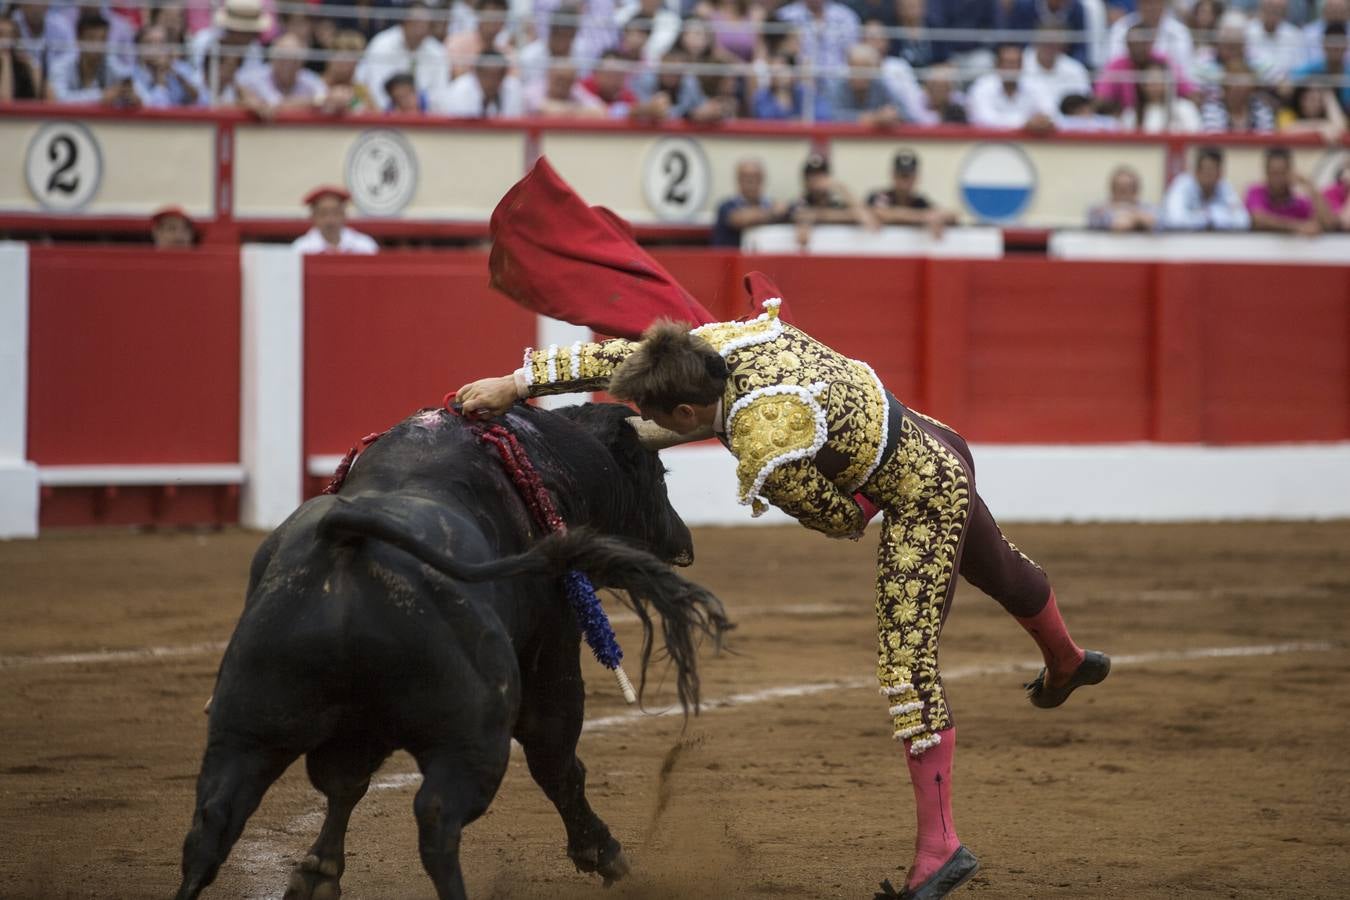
x,y
419,609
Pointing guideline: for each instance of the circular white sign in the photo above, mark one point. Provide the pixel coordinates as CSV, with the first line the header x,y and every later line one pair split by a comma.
x,y
381,173
64,166
676,179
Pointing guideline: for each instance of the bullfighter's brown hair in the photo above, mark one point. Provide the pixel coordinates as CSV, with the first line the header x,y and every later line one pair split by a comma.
x,y
669,367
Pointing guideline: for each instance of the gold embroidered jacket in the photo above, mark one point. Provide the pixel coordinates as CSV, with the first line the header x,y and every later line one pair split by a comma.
x,y
788,398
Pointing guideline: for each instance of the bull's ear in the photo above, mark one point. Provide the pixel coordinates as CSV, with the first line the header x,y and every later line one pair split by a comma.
x,y
654,437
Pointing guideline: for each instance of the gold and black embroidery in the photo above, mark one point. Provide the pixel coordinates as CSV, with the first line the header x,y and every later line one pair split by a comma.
x,y
926,492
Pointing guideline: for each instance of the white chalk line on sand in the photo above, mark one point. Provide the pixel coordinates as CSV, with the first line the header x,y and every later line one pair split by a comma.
x,y
149,654
261,859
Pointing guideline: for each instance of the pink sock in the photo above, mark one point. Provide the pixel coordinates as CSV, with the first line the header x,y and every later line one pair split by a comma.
x,y
1062,656
931,775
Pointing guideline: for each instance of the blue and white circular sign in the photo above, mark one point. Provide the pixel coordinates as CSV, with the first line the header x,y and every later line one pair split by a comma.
x,y
997,182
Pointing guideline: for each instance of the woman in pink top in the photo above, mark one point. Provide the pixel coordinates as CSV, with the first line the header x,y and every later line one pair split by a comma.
x,y
735,25
1337,198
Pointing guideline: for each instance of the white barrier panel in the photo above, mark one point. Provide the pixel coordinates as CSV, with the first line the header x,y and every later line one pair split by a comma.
x,y
271,428
412,173
850,240
107,168
18,476
1331,249
1123,483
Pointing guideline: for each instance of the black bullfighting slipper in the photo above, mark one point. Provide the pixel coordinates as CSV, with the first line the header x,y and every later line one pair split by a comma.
x,y
955,872
1092,670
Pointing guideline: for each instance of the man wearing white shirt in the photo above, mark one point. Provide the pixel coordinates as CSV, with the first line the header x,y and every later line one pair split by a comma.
x,y
1274,47
487,92
406,47
1171,38
1049,74
1204,201
328,231
998,99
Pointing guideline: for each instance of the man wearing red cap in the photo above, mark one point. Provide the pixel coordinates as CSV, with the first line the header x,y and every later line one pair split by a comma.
x,y
171,228
328,231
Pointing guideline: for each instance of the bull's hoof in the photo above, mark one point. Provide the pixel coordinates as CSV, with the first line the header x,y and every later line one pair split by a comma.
x,y
315,879
607,861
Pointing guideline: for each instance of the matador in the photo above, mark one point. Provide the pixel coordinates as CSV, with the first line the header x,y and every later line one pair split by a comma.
x,y
817,435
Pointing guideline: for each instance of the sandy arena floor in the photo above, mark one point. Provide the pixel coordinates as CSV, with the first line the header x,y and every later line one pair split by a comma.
x,y
1213,762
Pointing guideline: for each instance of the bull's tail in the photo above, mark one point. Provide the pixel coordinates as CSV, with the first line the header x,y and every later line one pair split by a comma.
x,y
687,611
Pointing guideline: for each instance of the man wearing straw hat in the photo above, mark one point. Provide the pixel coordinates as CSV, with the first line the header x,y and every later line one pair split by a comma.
x,y
237,28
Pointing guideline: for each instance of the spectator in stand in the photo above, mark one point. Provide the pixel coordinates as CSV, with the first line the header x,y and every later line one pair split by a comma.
x,y
825,29
1274,47
407,46
284,83
535,57
163,79
1115,89
1123,212
608,85
902,204
19,78
489,91
1330,63
121,42
1337,198
1204,201
748,208
1079,112
44,34
172,17
1203,23
171,228
1228,49
736,25
917,50
596,33
236,30
785,96
861,97
971,56
92,75
1052,16
366,18
943,101
1275,205
299,24
999,100
896,74
404,97
344,94
1156,110
489,32
1334,12
661,21
1313,110
564,97
826,201
1049,74
1171,39
328,231
1238,107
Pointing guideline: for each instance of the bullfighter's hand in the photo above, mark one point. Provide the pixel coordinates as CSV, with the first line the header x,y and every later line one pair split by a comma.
x,y
488,398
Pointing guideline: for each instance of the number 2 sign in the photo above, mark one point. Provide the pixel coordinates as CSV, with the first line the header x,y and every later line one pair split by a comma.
x,y
64,167
676,179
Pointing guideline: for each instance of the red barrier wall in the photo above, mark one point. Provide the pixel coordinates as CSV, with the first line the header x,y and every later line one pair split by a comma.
x,y
386,335
133,356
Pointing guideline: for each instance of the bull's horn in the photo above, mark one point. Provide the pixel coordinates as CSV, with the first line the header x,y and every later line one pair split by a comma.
x,y
654,437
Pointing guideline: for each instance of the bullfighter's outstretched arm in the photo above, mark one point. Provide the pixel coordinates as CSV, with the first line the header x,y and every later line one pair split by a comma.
x,y
583,366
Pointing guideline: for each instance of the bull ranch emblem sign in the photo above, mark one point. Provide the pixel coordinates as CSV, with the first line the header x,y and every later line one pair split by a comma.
x,y
675,179
381,173
64,166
